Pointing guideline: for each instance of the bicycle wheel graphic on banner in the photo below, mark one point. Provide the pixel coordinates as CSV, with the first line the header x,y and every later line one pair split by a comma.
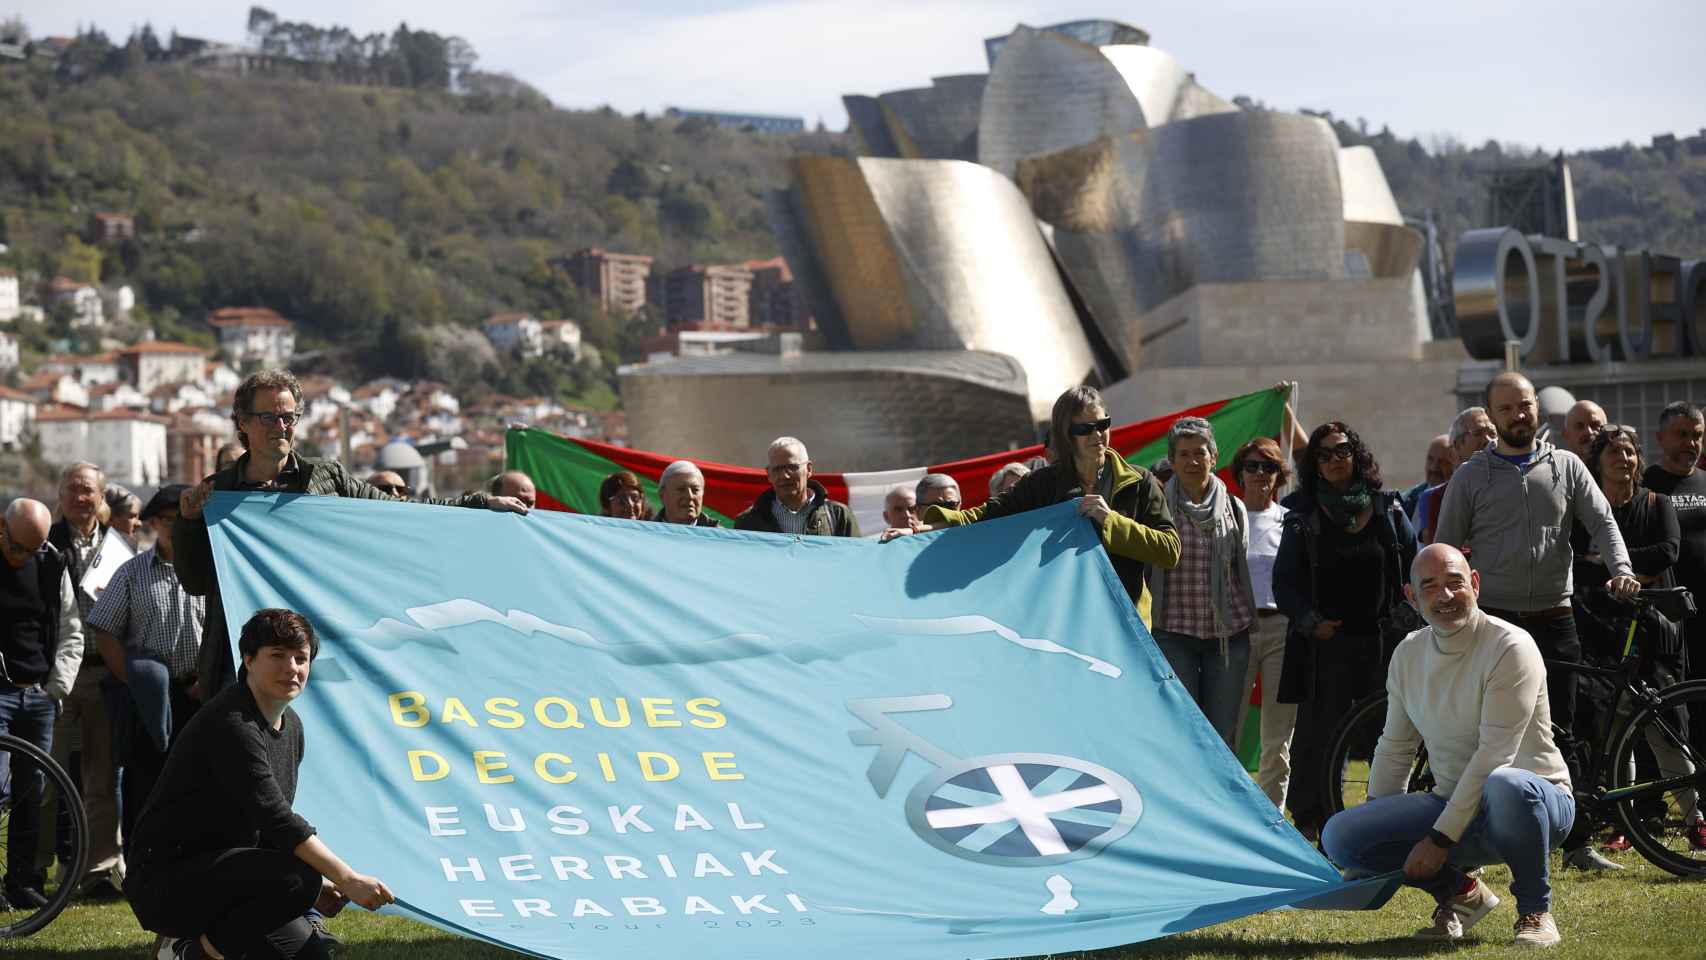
x,y
1023,809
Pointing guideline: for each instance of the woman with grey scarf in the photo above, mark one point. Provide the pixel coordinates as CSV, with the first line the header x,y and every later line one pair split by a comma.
x,y
1204,607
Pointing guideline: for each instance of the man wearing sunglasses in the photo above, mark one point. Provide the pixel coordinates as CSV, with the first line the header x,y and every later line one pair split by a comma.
x,y
391,482
41,649
265,411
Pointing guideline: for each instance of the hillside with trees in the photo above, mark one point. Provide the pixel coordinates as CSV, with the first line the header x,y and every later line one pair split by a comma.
x,y
387,195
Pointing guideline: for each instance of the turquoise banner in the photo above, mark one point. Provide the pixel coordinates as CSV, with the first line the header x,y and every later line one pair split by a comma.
x,y
582,737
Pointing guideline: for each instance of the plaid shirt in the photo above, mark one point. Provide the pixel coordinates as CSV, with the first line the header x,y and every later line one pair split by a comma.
x,y
146,608
1187,609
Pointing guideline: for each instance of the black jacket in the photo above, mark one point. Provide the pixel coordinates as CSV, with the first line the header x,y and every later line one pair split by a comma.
x,y
700,521
50,573
828,518
1296,590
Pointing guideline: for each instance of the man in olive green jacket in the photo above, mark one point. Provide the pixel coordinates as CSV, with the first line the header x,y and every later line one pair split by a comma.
x,y
265,410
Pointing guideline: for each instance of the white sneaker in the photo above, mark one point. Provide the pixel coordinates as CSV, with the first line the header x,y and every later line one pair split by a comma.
x,y
1587,858
1536,930
1455,916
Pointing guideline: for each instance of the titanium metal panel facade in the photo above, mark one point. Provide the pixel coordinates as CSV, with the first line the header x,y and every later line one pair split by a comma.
x,y
1368,197
858,411
938,122
938,255
1226,198
1049,92
1097,33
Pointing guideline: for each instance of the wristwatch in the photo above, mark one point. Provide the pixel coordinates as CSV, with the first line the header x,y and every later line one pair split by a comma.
x,y
1440,840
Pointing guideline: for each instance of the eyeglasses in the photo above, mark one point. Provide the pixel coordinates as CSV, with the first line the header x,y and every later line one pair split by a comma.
x,y
785,469
947,504
270,419
1261,466
1343,451
1093,426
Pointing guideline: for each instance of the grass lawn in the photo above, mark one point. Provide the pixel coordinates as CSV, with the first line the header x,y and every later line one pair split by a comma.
x,y
1638,913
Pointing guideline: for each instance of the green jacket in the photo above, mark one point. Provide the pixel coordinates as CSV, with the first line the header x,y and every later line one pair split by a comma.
x,y
1138,533
193,550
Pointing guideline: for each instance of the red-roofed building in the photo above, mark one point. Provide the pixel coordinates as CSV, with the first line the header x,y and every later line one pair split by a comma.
x,y
151,363
112,227
254,333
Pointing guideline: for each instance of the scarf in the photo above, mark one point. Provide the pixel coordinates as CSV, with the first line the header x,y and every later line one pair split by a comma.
x,y
1343,508
1213,519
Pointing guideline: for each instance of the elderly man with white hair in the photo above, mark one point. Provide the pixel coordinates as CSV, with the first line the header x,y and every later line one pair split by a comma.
x,y
938,489
795,503
900,512
681,487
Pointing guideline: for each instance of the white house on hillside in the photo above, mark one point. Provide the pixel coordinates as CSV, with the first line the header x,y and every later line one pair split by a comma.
x,y
515,333
8,350
562,333
130,446
254,333
85,300
17,413
154,363
10,305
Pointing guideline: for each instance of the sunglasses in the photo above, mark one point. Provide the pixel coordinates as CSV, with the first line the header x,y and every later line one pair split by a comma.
x,y
947,504
1093,426
1341,452
1261,466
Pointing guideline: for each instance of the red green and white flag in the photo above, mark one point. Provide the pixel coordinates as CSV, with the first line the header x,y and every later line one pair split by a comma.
x,y
567,471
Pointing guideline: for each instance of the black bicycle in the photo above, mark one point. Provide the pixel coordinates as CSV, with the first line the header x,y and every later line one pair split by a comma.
x,y
1641,770
20,757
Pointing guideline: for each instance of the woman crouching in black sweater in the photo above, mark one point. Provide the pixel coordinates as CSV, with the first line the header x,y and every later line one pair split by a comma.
x,y
221,862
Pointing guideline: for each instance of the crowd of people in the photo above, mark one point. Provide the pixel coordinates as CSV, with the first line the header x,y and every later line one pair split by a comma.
x,y
1305,576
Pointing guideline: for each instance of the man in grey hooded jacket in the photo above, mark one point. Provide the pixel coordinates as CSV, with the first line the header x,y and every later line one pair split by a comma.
x,y
1510,508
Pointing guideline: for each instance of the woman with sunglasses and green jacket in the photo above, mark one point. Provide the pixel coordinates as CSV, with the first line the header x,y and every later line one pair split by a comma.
x,y
1124,501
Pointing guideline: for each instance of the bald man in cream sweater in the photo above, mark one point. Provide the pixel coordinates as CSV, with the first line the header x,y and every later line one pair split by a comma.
x,y
1473,687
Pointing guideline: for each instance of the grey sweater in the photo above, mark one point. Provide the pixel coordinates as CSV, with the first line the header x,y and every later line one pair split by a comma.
x,y
1516,522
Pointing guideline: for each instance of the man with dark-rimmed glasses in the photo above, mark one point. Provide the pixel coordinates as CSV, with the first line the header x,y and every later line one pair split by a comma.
x,y
265,411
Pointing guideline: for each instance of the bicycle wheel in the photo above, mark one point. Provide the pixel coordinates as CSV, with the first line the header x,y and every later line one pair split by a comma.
x,y
23,921
1351,755
1666,836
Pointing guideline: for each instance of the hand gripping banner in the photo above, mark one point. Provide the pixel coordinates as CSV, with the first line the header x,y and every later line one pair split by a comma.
x,y
583,737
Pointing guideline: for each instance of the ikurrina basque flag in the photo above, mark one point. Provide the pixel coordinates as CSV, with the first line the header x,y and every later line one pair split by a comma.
x,y
568,471
585,737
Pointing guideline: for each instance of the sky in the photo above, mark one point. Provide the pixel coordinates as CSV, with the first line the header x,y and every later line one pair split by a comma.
x,y
1564,75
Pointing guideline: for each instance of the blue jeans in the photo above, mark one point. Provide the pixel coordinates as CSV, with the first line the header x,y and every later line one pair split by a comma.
x,y
27,715
1214,682
1522,819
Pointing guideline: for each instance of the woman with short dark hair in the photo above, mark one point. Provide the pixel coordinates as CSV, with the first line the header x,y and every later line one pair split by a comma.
x,y
1344,557
221,862
621,496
